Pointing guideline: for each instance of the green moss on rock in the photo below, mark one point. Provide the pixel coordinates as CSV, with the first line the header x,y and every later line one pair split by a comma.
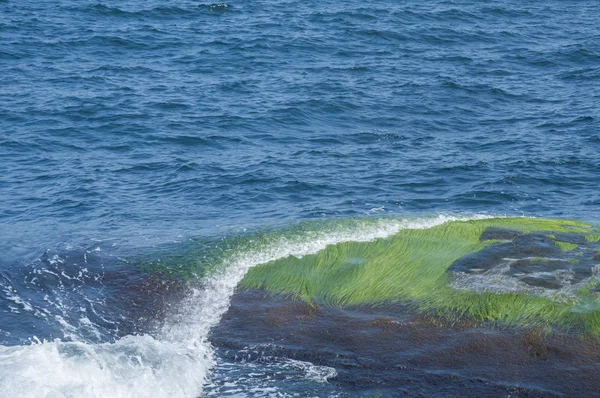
x,y
565,246
411,266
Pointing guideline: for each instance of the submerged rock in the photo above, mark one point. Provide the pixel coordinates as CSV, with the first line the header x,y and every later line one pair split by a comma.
x,y
393,350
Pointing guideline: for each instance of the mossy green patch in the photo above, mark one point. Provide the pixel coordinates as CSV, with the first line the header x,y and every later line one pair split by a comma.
x,y
565,246
540,259
411,266
592,238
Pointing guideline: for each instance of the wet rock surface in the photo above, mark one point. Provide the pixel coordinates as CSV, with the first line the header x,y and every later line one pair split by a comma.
x,y
537,263
392,350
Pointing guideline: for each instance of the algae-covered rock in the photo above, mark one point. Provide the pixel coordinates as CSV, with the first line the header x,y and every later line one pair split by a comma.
x,y
524,271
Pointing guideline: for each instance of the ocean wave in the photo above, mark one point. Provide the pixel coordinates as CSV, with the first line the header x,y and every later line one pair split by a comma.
x,y
177,358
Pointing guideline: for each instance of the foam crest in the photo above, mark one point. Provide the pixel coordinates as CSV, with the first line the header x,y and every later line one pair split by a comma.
x,y
205,305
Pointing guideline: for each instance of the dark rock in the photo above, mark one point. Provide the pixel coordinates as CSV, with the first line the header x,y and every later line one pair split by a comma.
x,y
397,351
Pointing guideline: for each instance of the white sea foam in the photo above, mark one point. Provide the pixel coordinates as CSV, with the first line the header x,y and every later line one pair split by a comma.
x,y
177,361
134,366
319,374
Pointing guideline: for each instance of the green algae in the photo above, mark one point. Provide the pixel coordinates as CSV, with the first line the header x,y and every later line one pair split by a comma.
x,y
565,246
540,259
592,238
411,267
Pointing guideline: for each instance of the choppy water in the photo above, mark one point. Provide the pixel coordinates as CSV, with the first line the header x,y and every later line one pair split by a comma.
x,y
133,131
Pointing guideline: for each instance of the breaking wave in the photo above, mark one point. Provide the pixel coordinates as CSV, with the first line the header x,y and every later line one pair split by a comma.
x,y
176,359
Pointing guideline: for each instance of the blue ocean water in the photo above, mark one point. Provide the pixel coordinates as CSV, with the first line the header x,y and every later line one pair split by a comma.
x,y
131,128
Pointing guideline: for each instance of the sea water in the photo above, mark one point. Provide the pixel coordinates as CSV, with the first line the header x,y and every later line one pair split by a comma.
x,y
139,135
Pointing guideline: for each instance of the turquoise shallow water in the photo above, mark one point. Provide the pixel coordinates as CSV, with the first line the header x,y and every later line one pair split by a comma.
x,y
128,126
